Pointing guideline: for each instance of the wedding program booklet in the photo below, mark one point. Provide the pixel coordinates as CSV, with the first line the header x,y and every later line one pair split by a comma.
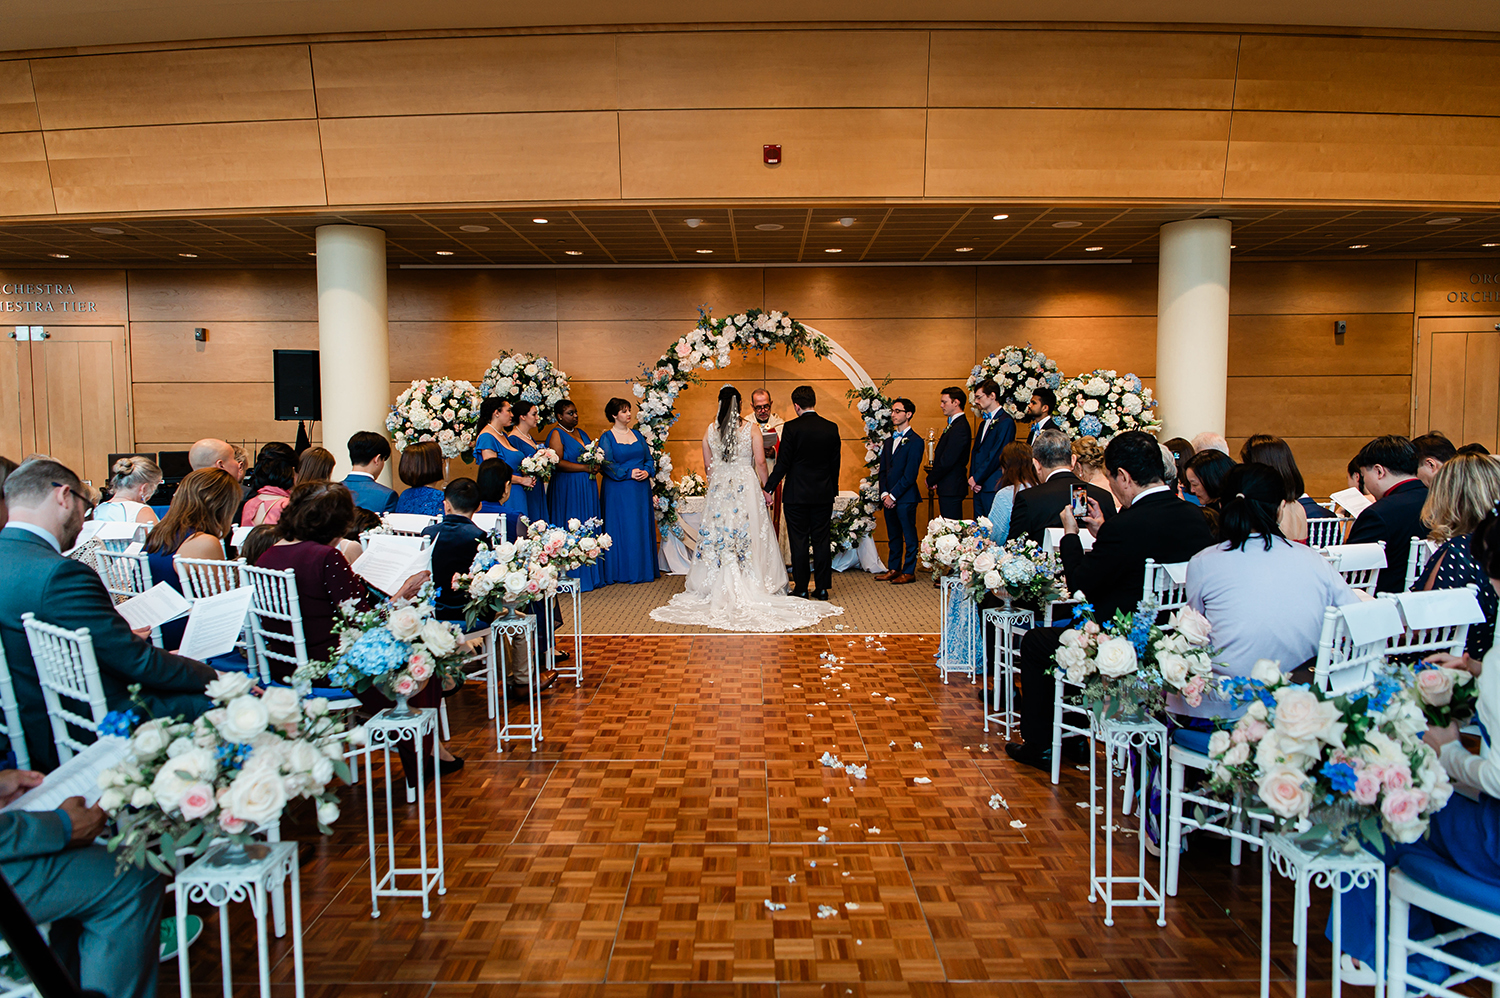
x,y
154,607
1351,501
216,624
78,777
389,561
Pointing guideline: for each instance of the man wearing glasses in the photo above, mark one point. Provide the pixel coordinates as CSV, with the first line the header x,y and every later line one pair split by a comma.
x,y
770,435
900,460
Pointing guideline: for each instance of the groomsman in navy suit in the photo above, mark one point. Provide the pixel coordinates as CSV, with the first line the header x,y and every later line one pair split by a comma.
x,y
996,429
948,477
900,460
1043,405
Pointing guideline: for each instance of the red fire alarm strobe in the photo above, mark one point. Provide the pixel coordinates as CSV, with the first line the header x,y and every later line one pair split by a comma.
x,y
772,154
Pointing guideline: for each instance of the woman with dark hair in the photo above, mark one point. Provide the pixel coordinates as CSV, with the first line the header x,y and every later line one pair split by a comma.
x,y
527,421
1203,475
1017,472
200,518
421,471
315,465
1263,594
275,475
493,479
573,494
496,418
625,498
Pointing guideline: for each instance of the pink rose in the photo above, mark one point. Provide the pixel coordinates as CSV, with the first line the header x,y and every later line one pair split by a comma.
x,y
1435,687
1091,628
1366,787
1193,691
533,587
420,670
405,686
1403,807
230,823
198,802
1397,777
1250,729
683,350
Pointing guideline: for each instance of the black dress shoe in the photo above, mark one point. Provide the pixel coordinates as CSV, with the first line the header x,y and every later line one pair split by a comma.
x,y
1036,758
449,766
799,595
558,655
821,594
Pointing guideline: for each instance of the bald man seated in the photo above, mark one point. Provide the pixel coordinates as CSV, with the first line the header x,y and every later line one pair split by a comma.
x,y
211,452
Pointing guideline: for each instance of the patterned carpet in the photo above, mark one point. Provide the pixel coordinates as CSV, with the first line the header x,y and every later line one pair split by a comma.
x,y
870,607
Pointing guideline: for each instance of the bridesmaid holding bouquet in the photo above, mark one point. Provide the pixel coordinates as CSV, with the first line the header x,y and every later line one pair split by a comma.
x,y
527,422
625,498
573,494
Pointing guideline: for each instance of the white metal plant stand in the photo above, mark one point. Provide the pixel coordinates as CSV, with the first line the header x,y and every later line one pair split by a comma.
x,y
270,864
1125,735
1000,704
574,669
1309,867
384,732
523,648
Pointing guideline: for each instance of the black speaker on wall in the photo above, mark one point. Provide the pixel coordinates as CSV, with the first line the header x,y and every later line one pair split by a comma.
x,y
299,393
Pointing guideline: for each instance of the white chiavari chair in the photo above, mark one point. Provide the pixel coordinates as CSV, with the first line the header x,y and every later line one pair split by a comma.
x,y
1417,558
1327,531
67,670
200,578
1359,564
1468,904
125,574
14,733
1354,642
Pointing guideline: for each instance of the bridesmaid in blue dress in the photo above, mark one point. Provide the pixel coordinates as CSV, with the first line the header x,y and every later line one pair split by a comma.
x,y
573,494
527,421
625,496
495,420
421,470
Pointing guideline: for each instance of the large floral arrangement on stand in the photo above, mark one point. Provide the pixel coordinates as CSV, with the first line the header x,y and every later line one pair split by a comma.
x,y
1125,665
1103,403
526,377
1330,766
226,775
512,574
1020,570
706,347
440,409
950,546
396,648
1018,371
856,521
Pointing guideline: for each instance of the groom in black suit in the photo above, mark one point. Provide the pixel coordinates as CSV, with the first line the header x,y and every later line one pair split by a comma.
x,y
808,460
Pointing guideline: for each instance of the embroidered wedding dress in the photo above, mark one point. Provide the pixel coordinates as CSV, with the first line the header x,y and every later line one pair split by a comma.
x,y
738,581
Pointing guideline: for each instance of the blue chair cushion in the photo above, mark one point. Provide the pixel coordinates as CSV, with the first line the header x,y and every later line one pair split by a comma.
x,y
1193,741
1437,875
326,692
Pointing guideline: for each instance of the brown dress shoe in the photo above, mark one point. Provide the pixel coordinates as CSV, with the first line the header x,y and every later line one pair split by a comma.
x,y
886,576
903,580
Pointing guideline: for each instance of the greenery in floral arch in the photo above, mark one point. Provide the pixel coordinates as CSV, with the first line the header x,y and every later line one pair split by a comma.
x,y
1019,371
706,347
1103,403
857,521
526,377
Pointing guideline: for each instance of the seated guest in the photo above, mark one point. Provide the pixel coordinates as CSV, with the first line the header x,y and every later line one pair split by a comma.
x,y
200,518
132,482
368,454
1465,490
46,513
421,470
58,872
1017,474
258,541
455,539
1254,575
352,545
1474,448
1204,475
1263,448
1152,523
315,465
493,481
1038,508
1088,462
1209,440
1433,450
1181,449
211,452
248,482
1388,468
274,476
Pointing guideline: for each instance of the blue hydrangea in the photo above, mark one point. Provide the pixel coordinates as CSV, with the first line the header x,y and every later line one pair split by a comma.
x,y
1133,382
1091,426
119,723
1341,776
1140,631
376,653
1018,570
1054,379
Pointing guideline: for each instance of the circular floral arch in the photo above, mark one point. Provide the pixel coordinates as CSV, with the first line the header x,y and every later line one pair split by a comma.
x,y
709,346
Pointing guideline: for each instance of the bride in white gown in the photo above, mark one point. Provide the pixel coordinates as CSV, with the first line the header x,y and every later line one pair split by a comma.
x,y
737,581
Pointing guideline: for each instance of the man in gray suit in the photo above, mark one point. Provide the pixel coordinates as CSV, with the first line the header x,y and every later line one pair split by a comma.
x,y
57,873
47,504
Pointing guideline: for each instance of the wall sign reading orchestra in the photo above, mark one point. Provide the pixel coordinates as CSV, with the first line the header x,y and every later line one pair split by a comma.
x,y
1477,296
43,306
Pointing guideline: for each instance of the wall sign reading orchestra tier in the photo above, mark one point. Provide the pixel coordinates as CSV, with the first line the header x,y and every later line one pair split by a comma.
x,y
1477,296
71,305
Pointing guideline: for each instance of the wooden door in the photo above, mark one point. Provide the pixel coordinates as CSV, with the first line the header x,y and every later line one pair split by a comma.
x,y
79,397
1458,380
17,419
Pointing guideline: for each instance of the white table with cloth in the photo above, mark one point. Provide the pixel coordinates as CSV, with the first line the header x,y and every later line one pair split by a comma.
x,y
675,554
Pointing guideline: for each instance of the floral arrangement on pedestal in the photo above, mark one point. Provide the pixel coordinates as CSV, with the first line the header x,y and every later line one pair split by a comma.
x,y
1103,403
1125,665
856,521
227,774
394,648
706,347
1330,766
1020,570
690,485
1446,695
510,575
440,409
526,377
1019,371
540,465
950,546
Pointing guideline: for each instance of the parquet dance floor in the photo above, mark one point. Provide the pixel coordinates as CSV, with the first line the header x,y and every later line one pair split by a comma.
x,y
680,789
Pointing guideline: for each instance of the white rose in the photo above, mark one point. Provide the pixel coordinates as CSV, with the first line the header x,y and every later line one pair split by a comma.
x,y
1072,658
1267,671
244,718
1238,754
282,704
1218,744
112,799
1192,625
1115,657
302,756
1302,716
985,562
256,796
1285,791
438,637
315,706
992,580
149,739
141,798
1073,638
404,623
1174,669
180,746
328,812
228,686
515,583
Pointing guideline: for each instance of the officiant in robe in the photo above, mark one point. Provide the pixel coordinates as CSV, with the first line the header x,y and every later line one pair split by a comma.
x,y
770,426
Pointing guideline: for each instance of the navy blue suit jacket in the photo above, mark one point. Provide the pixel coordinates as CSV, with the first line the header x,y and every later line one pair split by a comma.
x,y
984,468
370,494
898,470
455,539
1395,518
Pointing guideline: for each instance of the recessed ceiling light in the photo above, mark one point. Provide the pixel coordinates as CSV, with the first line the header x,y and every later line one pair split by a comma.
x,y
833,249
999,218
1066,225
106,230
444,252
474,228
1232,246
1445,220
540,221
963,249
312,252
1092,249
1359,245
770,226
190,256
60,256
1490,245
692,223
705,252
574,252
846,221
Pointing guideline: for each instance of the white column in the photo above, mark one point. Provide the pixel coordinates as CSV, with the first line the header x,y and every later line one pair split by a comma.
x,y
1192,326
353,338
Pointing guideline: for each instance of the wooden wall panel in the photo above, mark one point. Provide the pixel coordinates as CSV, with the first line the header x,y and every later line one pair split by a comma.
x,y
811,293
985,152
471,295
1369,75
1287,345
484,157
25,184
773,69
199,296
1324,286
902,348
1316,406
1078,343
17,102
614,350
466,75
239,411
1352,157
1041,69
674,294
447,349
260,83
227,165
1445,287
1116,289
712,154
165,352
